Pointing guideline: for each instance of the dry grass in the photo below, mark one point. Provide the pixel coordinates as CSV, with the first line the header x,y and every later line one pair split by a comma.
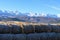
x,y
25,23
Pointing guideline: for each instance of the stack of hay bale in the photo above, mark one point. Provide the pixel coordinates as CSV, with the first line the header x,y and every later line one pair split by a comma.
x,y
30,32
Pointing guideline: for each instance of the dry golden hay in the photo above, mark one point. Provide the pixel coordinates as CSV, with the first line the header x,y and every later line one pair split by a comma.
x,y
25,23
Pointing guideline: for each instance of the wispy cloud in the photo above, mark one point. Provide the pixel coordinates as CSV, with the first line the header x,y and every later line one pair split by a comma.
x,y
54,7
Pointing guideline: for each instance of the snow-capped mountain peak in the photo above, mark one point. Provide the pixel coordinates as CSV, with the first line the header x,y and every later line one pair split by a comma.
x,y
31,14
37,14
58,15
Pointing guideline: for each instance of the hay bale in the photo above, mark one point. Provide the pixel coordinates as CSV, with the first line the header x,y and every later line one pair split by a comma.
x,y
19,37
56,29
57,36
6,36
45,28
37,28
42,36
15,29
28,29
4,29
51,36
34,36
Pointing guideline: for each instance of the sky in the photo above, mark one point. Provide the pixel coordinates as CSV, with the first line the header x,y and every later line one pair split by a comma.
x,y
34,6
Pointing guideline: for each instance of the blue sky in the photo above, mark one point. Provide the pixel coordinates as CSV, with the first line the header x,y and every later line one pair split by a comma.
x,y
35,6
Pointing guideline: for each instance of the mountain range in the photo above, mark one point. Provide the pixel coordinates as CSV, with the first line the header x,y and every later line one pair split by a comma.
x,y
28,17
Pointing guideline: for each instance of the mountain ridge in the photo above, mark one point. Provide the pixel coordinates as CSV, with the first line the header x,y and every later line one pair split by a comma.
x,y
17,13
27,17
